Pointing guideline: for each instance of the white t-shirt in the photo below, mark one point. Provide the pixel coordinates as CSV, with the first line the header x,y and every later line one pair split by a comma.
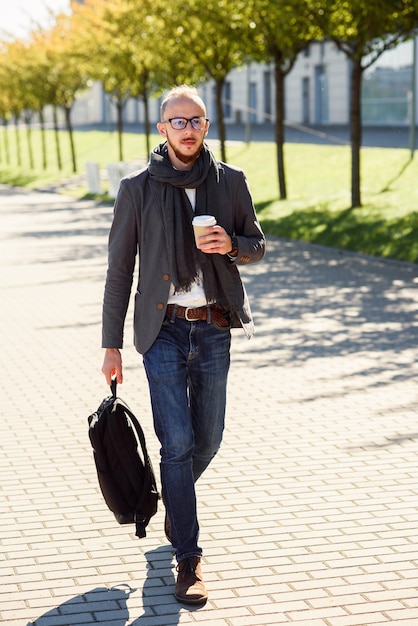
x,y
196,296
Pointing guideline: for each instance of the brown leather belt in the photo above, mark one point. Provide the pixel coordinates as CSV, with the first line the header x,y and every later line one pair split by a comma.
x,y
206,313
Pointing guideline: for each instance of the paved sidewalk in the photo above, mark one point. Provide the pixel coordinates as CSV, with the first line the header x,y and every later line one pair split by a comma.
x,y
309,513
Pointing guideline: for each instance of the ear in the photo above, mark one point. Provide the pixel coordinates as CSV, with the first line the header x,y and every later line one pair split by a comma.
x,y
161,129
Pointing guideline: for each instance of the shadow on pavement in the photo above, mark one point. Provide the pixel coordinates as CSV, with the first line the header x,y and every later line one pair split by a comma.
x,y
323,302
97,602
110,606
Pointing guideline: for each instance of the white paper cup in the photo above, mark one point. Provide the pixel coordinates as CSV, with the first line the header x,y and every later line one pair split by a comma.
x,y
200,224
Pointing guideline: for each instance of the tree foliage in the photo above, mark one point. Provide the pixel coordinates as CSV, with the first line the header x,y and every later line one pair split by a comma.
x,y
363,30
65,73
278,31
209,34
139,48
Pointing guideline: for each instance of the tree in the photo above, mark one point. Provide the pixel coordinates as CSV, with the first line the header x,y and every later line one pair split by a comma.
x,y
18,66
26,63
210,33
5,107
66,72
166,64
363,30
39,68
278,31
115,39
12,86
32,81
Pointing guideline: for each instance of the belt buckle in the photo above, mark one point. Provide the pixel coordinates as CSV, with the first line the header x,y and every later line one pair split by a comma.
x,y
186,314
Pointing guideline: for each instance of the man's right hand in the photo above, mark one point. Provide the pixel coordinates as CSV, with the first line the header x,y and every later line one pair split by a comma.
x,y
112,365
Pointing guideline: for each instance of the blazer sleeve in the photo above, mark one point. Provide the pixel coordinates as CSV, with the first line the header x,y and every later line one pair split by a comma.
x,y
122,251
246,228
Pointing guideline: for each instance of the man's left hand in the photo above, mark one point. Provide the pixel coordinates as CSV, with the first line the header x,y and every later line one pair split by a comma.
x,y
217,241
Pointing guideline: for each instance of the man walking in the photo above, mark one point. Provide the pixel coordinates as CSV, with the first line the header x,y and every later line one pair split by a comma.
x,y
187,299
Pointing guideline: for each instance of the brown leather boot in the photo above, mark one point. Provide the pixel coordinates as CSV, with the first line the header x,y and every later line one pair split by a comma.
x,y
190,587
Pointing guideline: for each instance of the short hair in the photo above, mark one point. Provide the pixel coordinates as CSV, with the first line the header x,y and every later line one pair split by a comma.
x,y
180,91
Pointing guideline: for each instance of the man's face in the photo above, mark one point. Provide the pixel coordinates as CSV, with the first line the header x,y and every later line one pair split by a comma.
x,y
184,145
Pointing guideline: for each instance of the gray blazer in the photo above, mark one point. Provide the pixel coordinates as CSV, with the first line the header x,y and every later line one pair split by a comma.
x,y
137,233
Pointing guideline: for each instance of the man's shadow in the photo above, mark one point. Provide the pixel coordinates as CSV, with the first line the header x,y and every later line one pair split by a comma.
x,y
158,588
97,605
90,607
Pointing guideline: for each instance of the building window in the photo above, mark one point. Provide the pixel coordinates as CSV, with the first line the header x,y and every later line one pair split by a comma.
x,y
385,94
321,95
305,100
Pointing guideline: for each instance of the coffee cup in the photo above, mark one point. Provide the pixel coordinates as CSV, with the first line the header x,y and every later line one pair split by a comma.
x,y
200,224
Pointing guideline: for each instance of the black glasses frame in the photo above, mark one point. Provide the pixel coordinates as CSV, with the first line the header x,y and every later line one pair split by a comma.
x,y
193,121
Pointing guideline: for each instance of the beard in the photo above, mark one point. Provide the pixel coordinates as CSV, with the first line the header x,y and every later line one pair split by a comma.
x,y
186,158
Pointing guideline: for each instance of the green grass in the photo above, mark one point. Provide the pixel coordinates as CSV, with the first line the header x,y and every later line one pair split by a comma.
x,y
98,146
318,184
318,187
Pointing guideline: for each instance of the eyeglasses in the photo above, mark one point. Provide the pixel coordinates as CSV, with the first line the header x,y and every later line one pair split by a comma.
x,y
178,123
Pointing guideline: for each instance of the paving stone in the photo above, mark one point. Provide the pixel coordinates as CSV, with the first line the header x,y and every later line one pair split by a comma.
x,y
308,513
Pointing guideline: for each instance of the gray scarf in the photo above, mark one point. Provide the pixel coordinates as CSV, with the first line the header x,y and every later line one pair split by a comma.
x,y
185,259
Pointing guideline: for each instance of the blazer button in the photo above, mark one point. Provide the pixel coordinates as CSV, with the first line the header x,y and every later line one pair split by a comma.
x,y
166,277
160,306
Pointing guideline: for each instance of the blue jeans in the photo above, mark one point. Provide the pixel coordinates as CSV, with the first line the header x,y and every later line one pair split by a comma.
x,y
187,369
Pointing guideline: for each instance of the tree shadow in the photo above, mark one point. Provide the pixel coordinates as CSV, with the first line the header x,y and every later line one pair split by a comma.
x,y
311,302
261,206
396,177
396,440
352,230
59,228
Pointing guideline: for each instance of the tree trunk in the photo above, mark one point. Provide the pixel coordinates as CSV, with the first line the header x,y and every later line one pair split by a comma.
x,y
279,127
119,108
43,143
29,141
6,141
147,126
67,110
17,135
220,117
57,139
355,131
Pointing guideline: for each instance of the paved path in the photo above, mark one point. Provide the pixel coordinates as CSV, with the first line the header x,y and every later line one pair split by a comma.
x,y
309,513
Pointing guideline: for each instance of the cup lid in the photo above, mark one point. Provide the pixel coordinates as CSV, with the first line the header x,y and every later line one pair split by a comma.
x,y
204,220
